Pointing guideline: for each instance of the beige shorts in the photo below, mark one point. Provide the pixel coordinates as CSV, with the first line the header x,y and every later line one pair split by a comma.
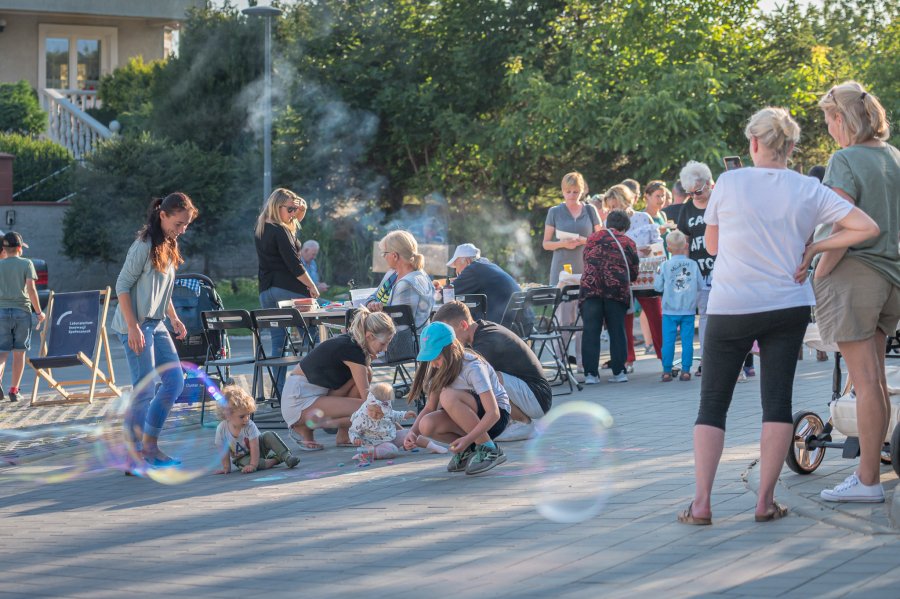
x,y
297,395
854,301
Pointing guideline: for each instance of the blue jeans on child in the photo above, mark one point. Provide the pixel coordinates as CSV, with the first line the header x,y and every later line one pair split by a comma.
x,y
150,408
671,323
15,329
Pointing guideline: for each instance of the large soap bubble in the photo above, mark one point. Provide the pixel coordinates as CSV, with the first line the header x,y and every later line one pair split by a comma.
x,y
570,459
48,454
192,448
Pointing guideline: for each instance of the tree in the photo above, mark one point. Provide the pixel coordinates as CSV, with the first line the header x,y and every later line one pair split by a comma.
x,y
20,111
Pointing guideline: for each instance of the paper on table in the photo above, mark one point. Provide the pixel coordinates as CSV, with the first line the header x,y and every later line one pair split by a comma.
x,y
564,235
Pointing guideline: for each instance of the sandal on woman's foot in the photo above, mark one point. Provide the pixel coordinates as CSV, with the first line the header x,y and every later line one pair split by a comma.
x,y
303,443
778,511
688,517
685,376
666,378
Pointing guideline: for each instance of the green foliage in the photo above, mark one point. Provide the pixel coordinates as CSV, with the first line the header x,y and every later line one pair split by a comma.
x,y
35,161
20,111
124,175
127,94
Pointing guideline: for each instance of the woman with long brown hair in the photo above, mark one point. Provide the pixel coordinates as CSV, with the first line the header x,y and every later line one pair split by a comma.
x,y
144,288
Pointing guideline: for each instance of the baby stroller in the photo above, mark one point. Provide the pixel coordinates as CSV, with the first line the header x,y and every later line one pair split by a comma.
x,y
812,436
193,294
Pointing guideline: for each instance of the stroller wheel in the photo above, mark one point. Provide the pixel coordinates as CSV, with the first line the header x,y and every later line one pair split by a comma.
x,y
801,458
895,450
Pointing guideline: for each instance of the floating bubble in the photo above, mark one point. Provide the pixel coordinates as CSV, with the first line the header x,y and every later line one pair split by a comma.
x,y
314,418
571,462
191,448
48,454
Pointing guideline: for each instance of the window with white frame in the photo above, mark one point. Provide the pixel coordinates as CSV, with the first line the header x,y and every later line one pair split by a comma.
x,y
74,56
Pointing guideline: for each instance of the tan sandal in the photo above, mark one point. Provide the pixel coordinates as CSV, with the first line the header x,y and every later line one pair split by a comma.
x,y
688,517
778,512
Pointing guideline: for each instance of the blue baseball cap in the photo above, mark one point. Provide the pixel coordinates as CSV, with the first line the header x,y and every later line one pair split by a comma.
x,y
435,337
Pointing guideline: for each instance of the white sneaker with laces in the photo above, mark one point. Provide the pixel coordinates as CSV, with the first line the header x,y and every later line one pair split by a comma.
x,y
618,378
517,431
590,379
853,491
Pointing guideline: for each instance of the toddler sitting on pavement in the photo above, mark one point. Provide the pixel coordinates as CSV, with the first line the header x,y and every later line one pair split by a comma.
x,y
377,424
247,449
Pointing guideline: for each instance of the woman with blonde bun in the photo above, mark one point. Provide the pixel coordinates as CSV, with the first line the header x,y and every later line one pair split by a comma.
x,y
757,224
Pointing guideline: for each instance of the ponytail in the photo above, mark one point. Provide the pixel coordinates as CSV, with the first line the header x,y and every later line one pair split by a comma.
x,y
863,116
417,261
378,323
164,251
428,378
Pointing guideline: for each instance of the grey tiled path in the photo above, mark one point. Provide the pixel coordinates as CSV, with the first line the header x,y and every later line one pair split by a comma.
x,y
410,529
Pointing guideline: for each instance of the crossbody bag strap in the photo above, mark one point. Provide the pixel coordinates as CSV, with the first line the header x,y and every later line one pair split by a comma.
x,y
627,268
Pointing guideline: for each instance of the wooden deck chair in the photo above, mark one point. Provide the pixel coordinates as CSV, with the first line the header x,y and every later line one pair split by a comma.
x,y
74,334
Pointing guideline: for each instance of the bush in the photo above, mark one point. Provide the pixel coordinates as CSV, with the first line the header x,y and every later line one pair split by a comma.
x,y
35,161
126,94
20,111
121,178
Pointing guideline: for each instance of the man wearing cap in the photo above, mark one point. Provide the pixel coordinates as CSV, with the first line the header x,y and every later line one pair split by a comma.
x,y
519,369
17,297
475,274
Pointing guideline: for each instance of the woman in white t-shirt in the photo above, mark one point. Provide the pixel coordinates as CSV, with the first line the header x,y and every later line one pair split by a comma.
x,y
757,223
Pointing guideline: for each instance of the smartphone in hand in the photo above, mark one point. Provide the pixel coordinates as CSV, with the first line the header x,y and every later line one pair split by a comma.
x,y
732,162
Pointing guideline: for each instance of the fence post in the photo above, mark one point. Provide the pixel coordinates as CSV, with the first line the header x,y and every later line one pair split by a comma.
x,y
6,178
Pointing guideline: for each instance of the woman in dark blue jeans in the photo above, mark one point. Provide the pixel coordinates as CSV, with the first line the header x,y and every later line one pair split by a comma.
x,y
610,264
281,272
144,288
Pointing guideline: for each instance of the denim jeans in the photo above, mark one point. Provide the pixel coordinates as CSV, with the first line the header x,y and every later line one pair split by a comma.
x,y
594,311
150,408
670,325
15,329
269,299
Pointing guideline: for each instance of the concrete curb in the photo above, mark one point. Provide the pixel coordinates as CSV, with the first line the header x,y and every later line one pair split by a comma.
x,y
824,512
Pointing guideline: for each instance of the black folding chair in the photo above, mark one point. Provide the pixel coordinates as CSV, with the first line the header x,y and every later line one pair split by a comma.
x,y
569,294
476,303
513,314
291,352
215,322
546,336
403,349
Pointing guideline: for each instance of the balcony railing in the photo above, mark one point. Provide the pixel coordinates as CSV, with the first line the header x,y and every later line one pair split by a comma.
x,y
70,125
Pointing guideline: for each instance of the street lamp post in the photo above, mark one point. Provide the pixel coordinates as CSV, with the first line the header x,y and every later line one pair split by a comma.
x,y
267,12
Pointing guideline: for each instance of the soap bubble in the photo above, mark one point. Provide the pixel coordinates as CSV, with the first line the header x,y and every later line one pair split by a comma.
x,y
48,454
571,461
191,448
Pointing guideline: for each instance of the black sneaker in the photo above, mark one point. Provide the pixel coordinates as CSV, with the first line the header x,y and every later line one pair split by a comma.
x,y
460,461
13,396
485,458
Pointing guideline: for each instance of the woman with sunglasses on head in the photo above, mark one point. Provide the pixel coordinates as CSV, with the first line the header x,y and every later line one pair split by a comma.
x,y
281,272
858,289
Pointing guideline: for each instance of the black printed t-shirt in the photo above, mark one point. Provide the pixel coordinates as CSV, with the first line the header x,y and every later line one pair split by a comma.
x,y
324,365
508,354
691,223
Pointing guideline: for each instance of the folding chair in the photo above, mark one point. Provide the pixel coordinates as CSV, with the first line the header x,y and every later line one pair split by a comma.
x,y
291,352
570,294
403,350
513,314
74,334
215,323
477,304
546,335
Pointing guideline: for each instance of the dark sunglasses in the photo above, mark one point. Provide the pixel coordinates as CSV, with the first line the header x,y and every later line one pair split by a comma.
x,y
291,209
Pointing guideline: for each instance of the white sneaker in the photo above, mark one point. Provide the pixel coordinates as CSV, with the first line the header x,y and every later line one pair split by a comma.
x,y
852,490
604,337
742,378
517,431
618,378
590,379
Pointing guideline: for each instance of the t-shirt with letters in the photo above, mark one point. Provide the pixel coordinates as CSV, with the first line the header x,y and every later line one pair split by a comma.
x,y
765,217
238,445
478,376
692,223
324,365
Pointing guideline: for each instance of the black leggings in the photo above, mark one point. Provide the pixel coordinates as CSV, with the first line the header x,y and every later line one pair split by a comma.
x,y
729,337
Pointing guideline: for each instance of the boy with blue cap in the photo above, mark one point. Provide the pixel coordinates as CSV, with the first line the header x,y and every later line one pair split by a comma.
x,y
465,404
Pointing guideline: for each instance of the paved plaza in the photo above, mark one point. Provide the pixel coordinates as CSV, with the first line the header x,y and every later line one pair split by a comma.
x,y
410,529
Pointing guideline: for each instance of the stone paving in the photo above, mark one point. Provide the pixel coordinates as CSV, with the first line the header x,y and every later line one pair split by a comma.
x,y
410,529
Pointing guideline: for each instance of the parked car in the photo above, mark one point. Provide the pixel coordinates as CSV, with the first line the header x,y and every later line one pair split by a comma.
x,y
42,283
